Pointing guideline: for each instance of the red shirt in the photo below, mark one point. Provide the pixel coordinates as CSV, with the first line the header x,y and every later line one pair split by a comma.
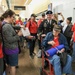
x,y
1,53
73,29
39,22
56,41
32,26
19,22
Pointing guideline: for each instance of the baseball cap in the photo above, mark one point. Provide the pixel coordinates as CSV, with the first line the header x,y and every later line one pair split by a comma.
x,y
43,14
69,18
57,28
33,15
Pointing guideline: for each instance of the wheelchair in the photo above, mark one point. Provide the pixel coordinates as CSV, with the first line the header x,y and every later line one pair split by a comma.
x,y
47,68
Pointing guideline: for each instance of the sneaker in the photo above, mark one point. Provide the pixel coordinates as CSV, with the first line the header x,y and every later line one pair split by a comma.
x,y
39,54
31,56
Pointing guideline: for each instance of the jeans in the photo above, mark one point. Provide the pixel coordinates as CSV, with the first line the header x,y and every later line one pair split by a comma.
x,y
31,46
55,61
31,43
73,54
4,73
39,43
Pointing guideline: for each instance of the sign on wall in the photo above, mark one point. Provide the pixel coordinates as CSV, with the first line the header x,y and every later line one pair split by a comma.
x,y
19,8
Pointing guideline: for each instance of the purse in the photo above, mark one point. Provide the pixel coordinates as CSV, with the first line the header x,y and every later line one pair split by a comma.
x,y
63,58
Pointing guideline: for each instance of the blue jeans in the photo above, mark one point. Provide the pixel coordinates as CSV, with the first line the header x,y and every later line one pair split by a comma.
x,y
4,73
73,54
55,61
12,60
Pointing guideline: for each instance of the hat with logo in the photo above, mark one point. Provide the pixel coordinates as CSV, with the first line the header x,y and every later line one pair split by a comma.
x,y
49,12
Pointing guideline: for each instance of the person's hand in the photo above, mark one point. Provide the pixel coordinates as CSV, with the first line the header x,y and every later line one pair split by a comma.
x,y
30,37
17,31
51,43
22,26
61,51
20,33
47,54
58,52
61,14
43,35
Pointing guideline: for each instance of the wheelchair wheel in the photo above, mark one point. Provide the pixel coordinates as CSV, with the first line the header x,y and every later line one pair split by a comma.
x,y
42,72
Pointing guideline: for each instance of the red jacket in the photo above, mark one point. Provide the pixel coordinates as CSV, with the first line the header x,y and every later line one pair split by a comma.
x,y
19,22
32,26
1,53
73,29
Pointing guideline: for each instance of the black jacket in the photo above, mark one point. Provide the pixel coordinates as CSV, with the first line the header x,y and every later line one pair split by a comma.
x,y
46,27
68,32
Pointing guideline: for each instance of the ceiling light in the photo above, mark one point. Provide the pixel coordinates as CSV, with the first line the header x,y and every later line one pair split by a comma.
x,y
26,1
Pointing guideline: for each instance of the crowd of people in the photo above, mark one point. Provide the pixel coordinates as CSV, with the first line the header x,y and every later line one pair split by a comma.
x,y
48,30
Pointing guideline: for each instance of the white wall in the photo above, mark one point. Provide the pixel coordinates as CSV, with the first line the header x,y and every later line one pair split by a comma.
x,y
36,6
67,7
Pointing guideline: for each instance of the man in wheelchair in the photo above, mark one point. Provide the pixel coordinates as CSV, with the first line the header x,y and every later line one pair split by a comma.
x,y
52,40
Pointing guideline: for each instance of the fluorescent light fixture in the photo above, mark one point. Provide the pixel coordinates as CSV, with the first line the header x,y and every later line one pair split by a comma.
x,y
0,2
26,1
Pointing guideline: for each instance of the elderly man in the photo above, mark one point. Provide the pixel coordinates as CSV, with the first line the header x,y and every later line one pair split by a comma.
x,y
54,39
47,25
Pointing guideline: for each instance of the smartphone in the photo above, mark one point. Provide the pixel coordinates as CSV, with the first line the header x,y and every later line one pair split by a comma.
x,y
58,13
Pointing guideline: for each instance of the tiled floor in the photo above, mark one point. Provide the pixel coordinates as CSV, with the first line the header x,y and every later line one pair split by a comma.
x,y
28,66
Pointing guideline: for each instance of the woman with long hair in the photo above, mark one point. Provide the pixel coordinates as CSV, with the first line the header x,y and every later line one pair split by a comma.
x,y
10,42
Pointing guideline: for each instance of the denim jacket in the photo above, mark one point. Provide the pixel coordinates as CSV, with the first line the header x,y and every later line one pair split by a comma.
x,y
50,37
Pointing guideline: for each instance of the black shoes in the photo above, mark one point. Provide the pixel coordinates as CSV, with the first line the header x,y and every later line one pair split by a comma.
x,y
17,66
31,56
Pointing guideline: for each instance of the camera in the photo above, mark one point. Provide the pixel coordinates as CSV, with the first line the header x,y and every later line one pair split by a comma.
x,y
59,13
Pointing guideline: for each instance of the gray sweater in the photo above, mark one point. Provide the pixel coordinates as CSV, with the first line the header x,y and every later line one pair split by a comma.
x,y
10,37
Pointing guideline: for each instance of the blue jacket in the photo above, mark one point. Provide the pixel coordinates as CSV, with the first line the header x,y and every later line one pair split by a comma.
x,y
50,37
